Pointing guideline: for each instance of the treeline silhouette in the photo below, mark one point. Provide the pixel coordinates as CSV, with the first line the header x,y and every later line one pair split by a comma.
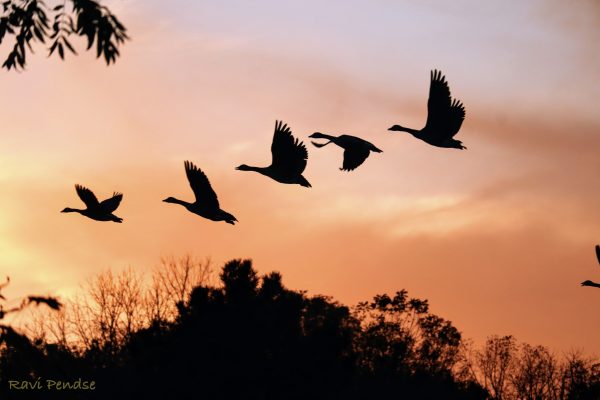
x,y
177,336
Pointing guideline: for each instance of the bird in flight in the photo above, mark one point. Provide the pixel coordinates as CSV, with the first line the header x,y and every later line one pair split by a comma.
x,y
356,150
588,282
206,204
444,116
289,158
99,211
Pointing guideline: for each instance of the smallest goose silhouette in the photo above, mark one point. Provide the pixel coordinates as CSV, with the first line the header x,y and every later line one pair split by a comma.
x,y
588,282
99,211
356,150
206,204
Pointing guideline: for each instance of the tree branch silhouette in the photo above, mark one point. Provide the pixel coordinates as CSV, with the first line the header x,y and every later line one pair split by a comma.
x,y
31,21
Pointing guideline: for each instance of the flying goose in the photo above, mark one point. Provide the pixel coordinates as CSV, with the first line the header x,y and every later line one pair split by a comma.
x,y
99,211
289,158
588,282
206,204
356,150
444,116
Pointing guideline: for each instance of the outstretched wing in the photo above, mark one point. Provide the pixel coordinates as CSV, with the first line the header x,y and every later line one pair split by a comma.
x,y
598,253
289,154
203,191
111,204
456,116
444,115
87,196
353,157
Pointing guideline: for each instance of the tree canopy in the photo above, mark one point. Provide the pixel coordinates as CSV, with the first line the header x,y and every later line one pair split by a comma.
x,y
250,337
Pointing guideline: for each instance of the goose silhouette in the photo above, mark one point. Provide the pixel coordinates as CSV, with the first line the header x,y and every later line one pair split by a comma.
x,y
444,116
588,282
356,150
289,158
206,204
99,211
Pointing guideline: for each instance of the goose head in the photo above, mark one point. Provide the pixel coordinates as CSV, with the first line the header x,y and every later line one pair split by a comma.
x,y
317,135
171,200
244,167
587,283
397,128
67,209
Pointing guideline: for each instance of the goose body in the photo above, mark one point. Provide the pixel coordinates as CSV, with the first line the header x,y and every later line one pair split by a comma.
x,y
207,203
99,211
356,150
444,116
588,282
289,157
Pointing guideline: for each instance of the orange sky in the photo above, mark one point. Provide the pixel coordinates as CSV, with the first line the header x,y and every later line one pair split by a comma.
x,y
497,237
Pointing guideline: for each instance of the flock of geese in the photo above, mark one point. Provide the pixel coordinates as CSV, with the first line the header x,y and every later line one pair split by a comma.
x,y
445,116
289,157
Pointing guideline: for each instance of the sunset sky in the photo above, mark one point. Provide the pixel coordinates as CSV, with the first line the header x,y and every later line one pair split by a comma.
x,y
497,237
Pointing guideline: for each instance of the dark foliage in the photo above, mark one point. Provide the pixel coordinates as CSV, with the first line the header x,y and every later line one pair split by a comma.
x,y
31,21
251,338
